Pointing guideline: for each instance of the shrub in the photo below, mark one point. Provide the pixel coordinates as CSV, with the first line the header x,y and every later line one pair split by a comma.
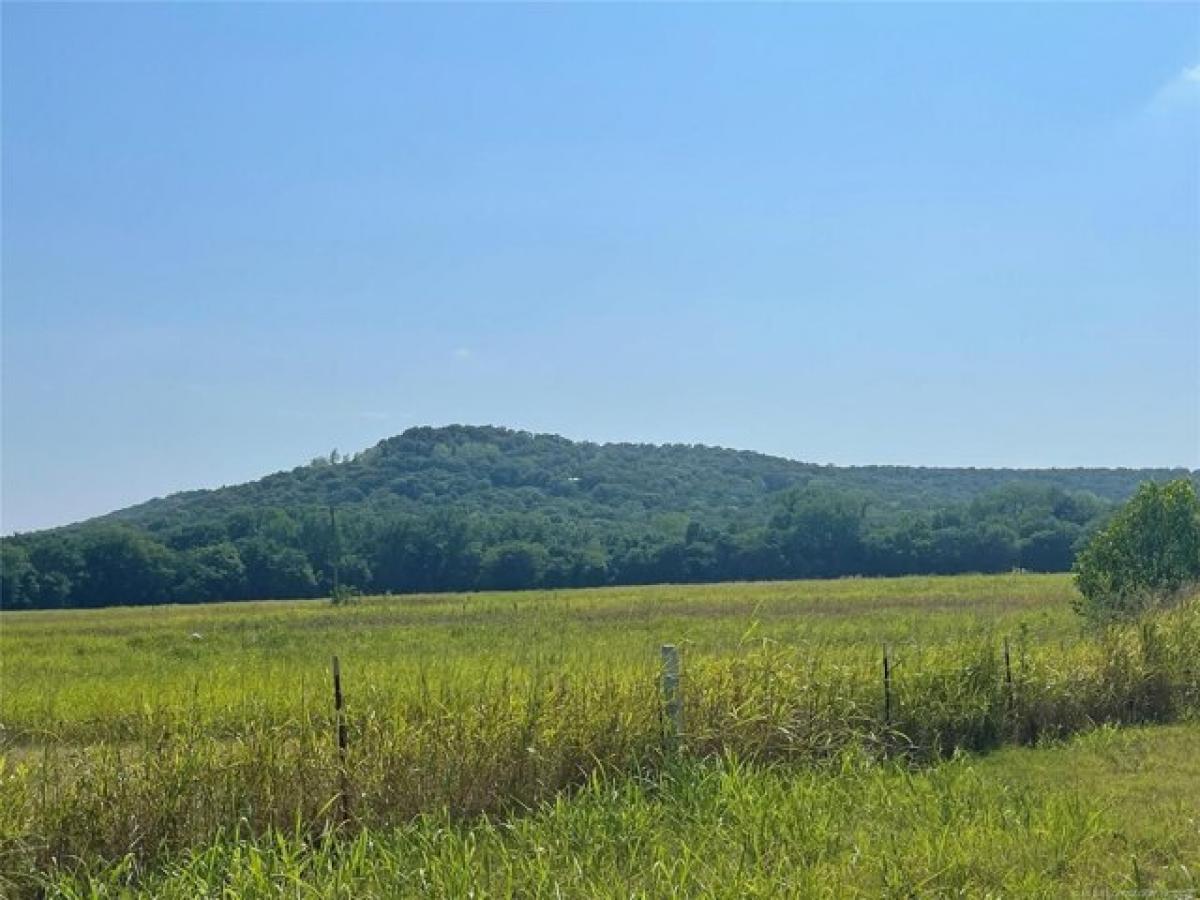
x,y
1147,553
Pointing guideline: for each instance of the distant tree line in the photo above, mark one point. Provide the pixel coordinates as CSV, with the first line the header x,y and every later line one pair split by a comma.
x,y
470,507
805,531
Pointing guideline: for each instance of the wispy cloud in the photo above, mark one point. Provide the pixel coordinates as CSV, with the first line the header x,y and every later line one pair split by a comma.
x,y
1182,90
463,353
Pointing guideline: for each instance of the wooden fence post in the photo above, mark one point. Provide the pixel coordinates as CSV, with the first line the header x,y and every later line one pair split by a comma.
x,y
342,740
672,701
1012,723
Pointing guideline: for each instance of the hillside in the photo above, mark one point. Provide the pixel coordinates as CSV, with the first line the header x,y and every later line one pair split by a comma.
x,y
464,507
499,469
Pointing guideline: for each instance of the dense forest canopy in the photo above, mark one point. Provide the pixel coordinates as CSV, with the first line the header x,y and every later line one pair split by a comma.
x,y
463,507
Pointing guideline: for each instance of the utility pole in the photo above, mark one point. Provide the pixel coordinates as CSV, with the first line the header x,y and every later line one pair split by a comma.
x,y
336,550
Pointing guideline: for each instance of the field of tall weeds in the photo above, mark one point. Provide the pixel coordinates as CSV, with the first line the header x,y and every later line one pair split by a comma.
x,y
222,718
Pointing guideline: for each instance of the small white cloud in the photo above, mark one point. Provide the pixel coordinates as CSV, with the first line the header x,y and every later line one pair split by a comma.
x,y
1182,90
463,353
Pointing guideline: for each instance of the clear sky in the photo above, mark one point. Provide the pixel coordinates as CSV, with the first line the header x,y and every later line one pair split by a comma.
x,y
238,236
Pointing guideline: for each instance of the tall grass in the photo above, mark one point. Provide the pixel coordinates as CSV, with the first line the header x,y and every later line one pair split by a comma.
x,y
1020,824
485,734
83,676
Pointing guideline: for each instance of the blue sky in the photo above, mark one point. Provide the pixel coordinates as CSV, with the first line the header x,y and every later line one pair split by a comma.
x,y
235,237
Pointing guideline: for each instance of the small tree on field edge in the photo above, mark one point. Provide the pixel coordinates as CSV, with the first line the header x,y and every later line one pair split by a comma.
x,y
1148,553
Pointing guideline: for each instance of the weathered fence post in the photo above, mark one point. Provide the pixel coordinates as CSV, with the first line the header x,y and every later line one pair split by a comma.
x,y
672,701
342,740
887,687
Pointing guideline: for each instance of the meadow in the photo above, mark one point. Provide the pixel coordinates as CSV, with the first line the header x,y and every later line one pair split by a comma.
x,y
515,742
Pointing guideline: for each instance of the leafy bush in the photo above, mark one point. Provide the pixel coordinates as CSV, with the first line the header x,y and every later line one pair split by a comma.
x,y
1149,551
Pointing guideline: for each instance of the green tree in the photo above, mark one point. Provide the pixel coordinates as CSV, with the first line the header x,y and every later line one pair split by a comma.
x,y
513,565
60,570
273,570
1049,549
819,532
123,566
211,573
429,554
18,578
1148,551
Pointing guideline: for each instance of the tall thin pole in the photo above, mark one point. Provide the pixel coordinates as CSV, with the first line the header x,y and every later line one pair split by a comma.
x,y
336,551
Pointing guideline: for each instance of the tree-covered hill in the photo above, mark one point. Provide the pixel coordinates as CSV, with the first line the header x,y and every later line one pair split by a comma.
x,y
463,507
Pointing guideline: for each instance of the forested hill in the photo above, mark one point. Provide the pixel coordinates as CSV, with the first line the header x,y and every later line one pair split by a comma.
x,y
485,468
481,507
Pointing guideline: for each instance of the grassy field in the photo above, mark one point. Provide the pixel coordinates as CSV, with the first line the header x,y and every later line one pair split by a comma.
x,y
78,676
135,740
1114,813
